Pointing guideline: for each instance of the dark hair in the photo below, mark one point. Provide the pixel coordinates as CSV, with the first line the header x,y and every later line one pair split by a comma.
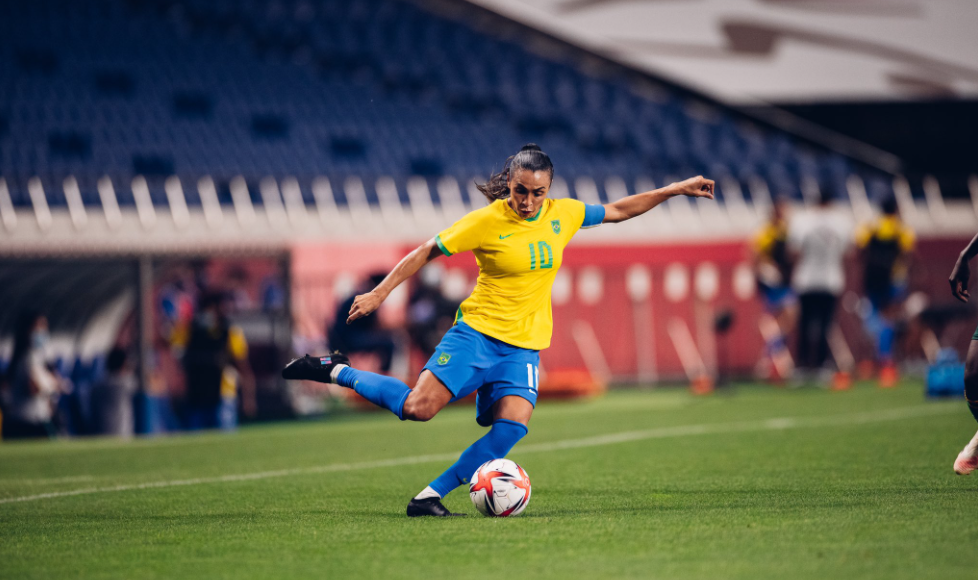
x,y
212,299
116,360
530,158
889,205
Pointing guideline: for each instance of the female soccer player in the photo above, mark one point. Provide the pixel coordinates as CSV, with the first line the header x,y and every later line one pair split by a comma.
x,y
494,347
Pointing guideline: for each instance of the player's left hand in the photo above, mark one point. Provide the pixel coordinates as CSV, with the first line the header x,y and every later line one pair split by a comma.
x,y
698,186
959,279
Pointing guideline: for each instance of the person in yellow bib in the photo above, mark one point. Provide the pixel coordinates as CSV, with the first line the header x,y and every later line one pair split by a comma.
x,y
886,246
772,270
494,347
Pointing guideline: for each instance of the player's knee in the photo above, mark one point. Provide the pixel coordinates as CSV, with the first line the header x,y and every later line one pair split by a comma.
x,y
510,431
419,409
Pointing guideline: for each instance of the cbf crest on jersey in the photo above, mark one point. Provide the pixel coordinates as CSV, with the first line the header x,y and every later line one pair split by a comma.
x,y
556,226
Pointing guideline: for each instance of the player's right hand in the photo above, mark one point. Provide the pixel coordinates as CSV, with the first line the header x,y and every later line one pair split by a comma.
x,y
363,305
959,280
698,186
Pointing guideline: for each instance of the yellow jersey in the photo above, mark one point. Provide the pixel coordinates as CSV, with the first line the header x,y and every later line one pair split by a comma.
x,y
771,246
518,260
769,237
887,229
237,347
885,244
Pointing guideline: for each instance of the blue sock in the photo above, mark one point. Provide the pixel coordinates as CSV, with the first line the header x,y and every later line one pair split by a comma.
x,y
494,445
882,331
383,391
884,341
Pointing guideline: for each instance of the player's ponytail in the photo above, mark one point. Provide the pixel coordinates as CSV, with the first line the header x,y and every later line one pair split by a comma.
x,y
530,158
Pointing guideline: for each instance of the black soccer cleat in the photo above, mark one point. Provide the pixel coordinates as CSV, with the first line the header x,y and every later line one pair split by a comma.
x,y
429,506
314,368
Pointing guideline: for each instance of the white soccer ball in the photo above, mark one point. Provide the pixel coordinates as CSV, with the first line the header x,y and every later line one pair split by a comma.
x,y
500,488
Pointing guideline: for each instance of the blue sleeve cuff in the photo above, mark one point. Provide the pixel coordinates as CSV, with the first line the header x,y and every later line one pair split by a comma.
x,y
593,215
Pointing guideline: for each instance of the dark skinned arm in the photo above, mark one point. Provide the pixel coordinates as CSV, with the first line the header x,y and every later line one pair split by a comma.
x,y
962,271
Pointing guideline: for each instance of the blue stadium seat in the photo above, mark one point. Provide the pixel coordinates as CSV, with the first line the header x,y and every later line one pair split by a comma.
x,y
289,87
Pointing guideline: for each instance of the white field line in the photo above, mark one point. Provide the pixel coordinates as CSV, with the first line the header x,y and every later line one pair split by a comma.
x,y
774,424
48,480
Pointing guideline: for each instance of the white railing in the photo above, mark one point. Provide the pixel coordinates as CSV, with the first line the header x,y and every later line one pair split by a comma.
x,y
409,214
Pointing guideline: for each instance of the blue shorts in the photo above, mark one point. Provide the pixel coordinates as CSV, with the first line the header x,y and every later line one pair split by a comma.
x,y
223,416
777,298
880,300
467,361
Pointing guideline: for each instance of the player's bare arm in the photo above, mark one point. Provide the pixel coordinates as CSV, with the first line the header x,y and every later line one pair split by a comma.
x,y
635,205
365,304
962,271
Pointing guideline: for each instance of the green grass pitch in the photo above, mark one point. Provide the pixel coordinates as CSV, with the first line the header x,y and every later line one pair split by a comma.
x,y
754,483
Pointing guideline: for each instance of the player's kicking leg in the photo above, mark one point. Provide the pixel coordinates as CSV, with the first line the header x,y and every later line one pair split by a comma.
x,y
383,391
967,460
422,403
509,416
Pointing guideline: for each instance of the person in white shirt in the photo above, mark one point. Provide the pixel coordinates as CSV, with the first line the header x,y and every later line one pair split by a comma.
x,y
819,238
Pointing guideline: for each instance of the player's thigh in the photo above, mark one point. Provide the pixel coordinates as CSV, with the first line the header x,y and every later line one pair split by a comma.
x,y
427,397
460,361
513,408
511,389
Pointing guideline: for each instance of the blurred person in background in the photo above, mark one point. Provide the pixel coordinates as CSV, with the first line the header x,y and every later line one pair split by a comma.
x,y
240,281
111,397
215,355
272,294
364,335
818,239
885,246
176,300
772,270
430,314
33,385
200,275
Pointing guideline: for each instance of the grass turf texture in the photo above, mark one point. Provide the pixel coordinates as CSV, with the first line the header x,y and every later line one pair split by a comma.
x,y
871,498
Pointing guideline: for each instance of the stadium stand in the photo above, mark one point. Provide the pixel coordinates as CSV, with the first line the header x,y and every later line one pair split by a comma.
x,y
346,90
327,136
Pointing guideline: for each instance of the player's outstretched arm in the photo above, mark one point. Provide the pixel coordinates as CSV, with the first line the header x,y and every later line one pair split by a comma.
x,y
365,304
636,205
962,271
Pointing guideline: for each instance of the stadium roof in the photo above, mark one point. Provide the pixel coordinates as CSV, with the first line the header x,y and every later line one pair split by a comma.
x,y
778,51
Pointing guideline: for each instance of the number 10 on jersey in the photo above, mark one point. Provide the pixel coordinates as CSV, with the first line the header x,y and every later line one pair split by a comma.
x,y
546,254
